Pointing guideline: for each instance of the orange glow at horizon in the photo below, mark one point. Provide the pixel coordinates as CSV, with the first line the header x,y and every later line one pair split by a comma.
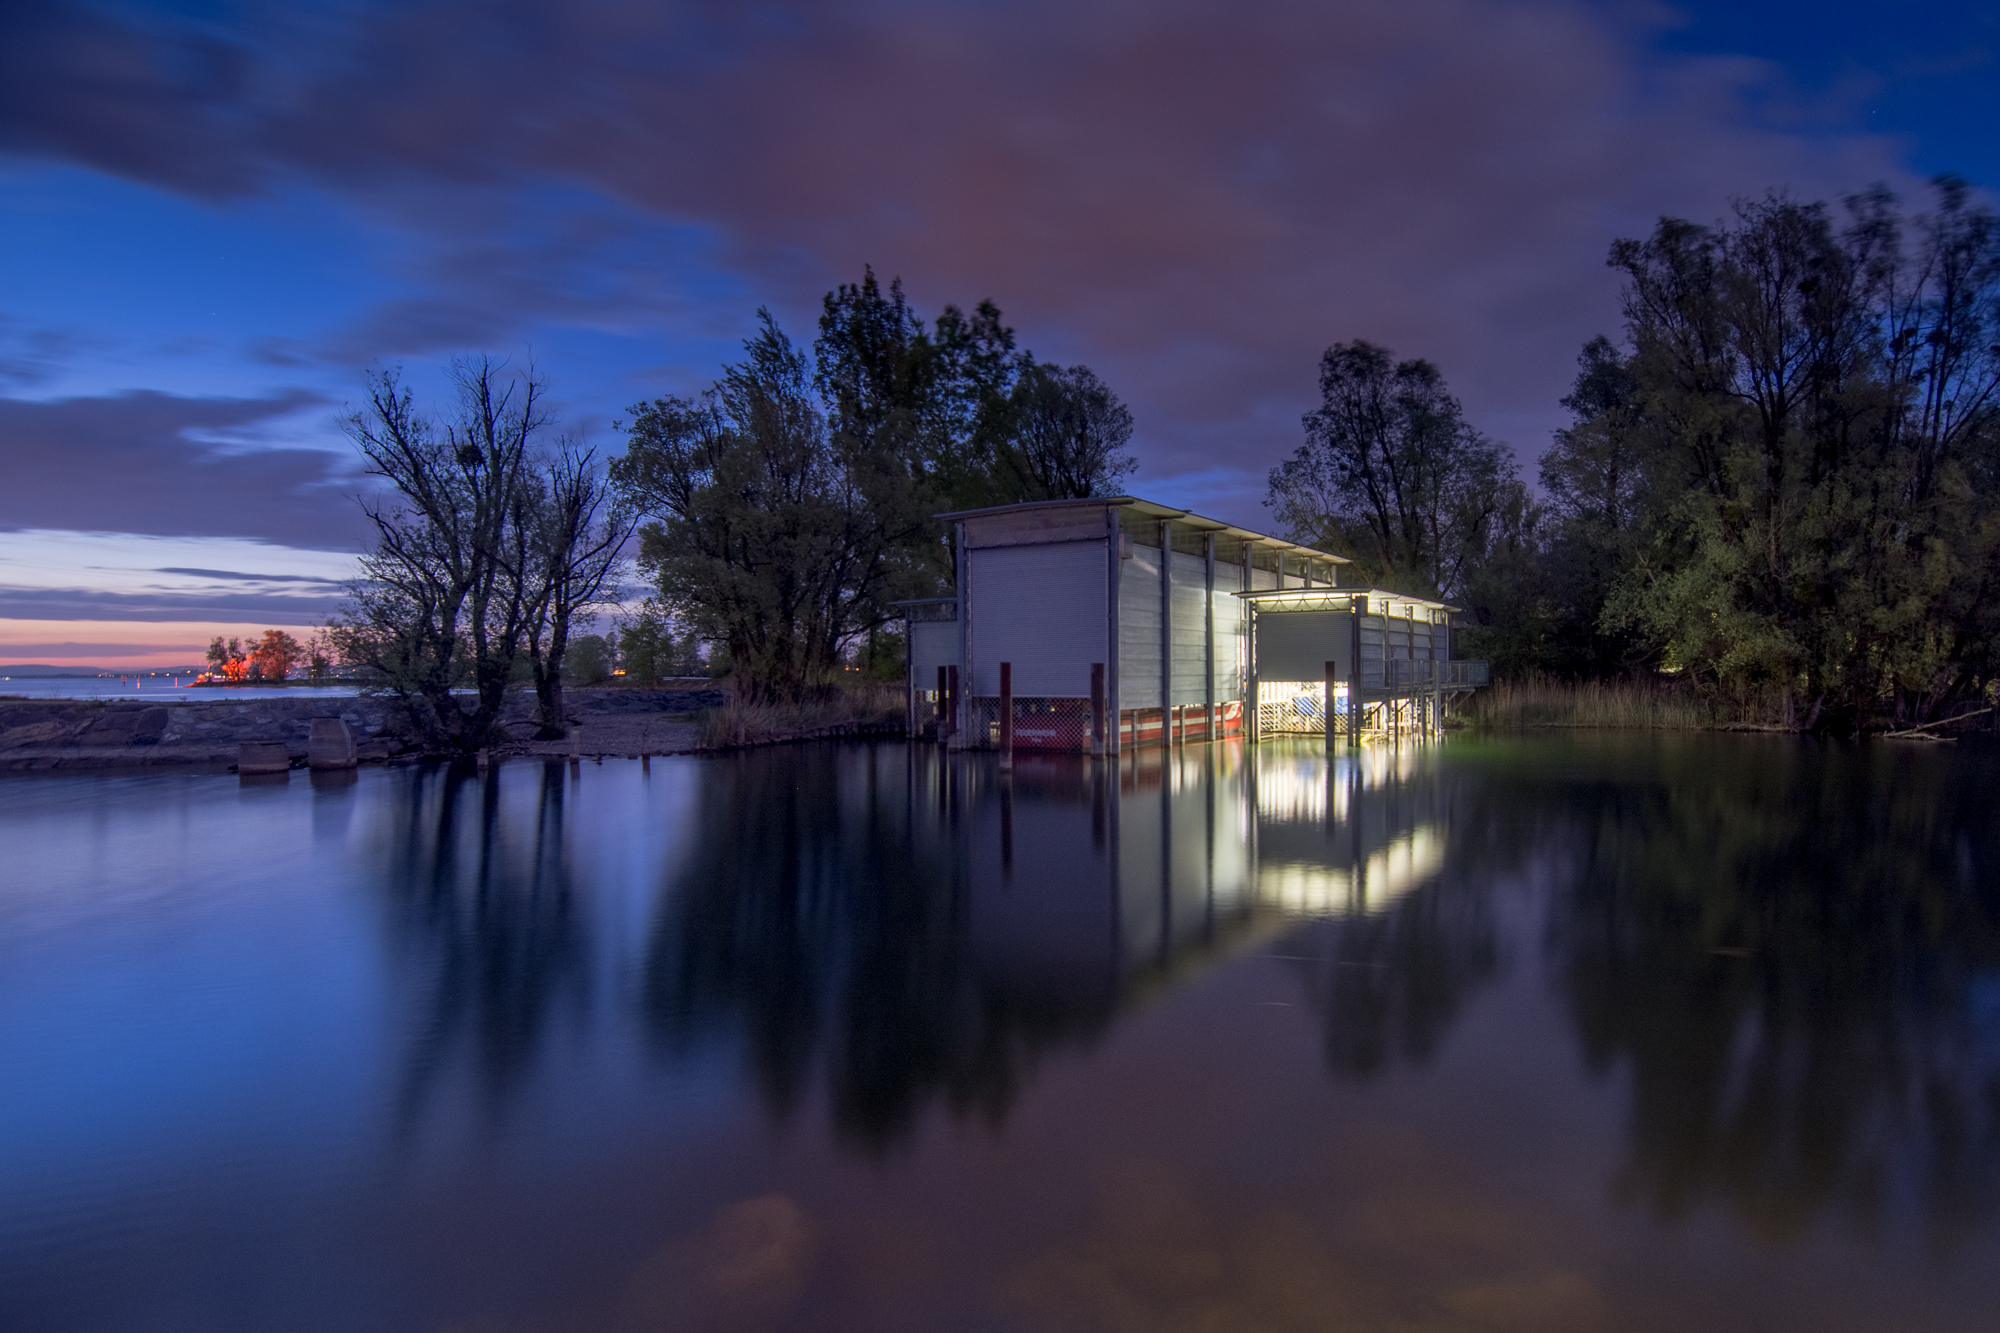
x,y
128,645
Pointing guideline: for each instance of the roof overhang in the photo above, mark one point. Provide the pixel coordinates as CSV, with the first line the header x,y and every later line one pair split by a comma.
x,y
1328,599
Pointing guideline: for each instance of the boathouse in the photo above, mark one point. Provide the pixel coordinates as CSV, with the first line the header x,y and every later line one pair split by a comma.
x,y
1105,623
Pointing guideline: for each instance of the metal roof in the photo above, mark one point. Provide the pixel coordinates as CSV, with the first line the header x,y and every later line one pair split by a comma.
x,y
1152,510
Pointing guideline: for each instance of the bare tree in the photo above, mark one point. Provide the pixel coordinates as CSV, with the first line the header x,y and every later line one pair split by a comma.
x,y
570,549
484,551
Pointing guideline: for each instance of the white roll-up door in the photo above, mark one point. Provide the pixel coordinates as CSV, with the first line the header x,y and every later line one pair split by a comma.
x,y
1041,608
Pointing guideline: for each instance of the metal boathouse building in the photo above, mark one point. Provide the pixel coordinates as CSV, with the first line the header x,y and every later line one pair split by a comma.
x,y
1094,625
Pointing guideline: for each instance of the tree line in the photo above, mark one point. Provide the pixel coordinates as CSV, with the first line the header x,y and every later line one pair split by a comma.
x,y
788,506
1781,484
779,514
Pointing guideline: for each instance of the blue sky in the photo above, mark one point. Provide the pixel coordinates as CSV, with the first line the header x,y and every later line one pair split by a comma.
x,y
218,216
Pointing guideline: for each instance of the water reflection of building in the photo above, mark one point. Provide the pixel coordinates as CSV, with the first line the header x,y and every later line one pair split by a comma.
x,y
1091,879
911,924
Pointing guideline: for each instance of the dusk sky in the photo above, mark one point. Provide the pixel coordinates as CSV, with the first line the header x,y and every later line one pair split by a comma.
x,y
218,216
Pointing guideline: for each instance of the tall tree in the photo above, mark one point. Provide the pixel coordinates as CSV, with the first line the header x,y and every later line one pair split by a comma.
x,y
487,544
768,534
440,604
1069,435
1392,475
569,549
1818,408
1594,476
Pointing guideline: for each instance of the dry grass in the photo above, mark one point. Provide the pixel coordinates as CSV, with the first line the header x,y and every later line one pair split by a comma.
x,y
862,710
1645,705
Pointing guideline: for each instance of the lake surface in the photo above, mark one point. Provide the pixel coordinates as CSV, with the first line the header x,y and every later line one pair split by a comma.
x,y
1584,1033
161,689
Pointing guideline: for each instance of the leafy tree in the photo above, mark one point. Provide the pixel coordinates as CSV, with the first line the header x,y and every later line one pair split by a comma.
x,y
1392,475
768,534
321,653
1594,476
643,644
938,400
587,660
275,655
223,655
1817,406
1068,438
790,504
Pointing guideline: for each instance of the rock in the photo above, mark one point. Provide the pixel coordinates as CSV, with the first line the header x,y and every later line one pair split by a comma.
x,y
152,726
254,757
330,744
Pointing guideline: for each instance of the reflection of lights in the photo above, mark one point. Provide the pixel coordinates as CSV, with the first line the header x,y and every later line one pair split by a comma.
x,y
1320,890
1291,789
1378,764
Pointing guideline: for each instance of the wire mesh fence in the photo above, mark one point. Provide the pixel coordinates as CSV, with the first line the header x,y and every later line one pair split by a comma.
x,y
925,709
1296,707
1040,723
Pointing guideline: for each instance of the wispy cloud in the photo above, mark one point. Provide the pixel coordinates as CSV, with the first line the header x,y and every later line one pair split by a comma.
x,y
148,462
1194,198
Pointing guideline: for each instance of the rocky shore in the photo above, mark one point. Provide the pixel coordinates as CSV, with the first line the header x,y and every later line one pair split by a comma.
x,y
205,732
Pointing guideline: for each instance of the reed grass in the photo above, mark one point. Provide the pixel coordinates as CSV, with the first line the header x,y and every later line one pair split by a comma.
x,y
860,710
1643,705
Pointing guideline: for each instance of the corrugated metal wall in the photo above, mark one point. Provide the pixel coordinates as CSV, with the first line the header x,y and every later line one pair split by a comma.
x,y
1231,634
1139,629
1190,628
1041,608
933,643
1373,674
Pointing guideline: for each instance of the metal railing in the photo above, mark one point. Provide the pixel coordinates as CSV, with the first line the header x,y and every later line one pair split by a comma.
x,y
1408,675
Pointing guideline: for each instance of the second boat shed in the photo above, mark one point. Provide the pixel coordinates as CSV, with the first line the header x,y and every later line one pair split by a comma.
x,y
1111,622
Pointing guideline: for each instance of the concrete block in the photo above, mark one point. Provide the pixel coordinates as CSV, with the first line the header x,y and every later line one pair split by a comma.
x,y
330,744
262,757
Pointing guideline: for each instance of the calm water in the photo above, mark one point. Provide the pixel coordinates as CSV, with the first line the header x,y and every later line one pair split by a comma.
x,y
1583,1034
160,689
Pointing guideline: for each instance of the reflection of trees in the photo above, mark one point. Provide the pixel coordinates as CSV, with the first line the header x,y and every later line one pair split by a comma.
x,y
485,911
1796,953
1392,985
821,916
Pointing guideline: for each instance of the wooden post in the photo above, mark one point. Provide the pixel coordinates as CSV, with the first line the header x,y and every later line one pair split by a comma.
x,y
1355,608
1114,557
1166,624
942,730
1250,675
1332,734
951,700
1208,636
1097,727
1006,715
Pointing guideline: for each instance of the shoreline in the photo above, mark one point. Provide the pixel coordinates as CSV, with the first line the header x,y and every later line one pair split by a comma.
x,y
53,735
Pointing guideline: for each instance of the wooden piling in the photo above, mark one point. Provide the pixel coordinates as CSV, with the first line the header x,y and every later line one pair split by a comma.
x,y
1326,719
1006,715
1099,732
